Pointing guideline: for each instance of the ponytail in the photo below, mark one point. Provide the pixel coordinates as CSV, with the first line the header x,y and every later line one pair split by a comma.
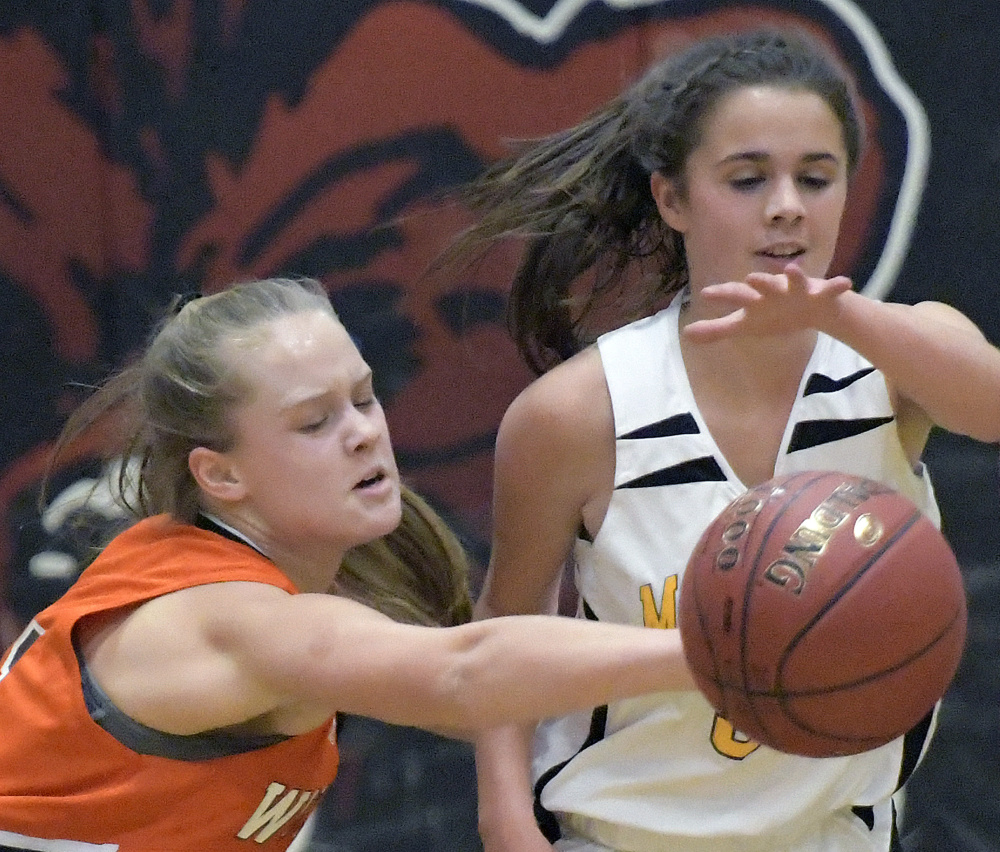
x,y
418,573
582,203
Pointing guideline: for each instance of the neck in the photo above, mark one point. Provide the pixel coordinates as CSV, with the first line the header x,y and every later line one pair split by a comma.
x,y
748,364
310,569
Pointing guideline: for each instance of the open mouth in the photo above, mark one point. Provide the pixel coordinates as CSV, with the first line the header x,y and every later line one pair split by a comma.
x,y
370,481
783,256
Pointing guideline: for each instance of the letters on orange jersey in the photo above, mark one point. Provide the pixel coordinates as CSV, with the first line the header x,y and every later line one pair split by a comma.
x,y
279,805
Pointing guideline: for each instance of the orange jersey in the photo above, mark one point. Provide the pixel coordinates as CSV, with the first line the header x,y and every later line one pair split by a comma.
x,y
64,778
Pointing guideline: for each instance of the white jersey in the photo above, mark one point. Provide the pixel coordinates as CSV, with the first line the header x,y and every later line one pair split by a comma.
x,y
662,772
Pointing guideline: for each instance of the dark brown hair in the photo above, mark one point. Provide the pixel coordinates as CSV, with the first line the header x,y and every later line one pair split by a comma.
x,y
581,198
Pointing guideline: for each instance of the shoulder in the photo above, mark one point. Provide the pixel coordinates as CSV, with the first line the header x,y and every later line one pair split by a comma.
x,y
558,437
161,533
941,312
651,336
173,550
569,403
159,559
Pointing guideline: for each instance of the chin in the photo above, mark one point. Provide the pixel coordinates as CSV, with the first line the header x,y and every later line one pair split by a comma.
x,y
396,518
374,518
390,518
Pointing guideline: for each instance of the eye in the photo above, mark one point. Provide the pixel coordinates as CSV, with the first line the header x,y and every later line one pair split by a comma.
x,y
314,425
746,183
815,182
363,395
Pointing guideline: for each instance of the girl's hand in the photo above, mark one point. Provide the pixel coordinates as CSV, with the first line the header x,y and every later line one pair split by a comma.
x,y
769,304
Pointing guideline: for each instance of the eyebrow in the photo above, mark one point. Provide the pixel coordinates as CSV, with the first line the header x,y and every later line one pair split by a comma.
x,y
293,402
763,156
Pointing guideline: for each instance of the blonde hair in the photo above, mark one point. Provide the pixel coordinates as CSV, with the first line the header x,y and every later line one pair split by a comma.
x,y
418,573
180,393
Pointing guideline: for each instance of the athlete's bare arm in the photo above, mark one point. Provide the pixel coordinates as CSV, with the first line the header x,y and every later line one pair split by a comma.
x,y
228,654
553,473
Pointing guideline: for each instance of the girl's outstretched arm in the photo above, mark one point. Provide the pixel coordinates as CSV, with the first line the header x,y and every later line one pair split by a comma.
x,y
940,367
242,651
934,358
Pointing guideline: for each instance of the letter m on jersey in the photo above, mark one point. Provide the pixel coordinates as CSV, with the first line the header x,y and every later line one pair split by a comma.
x,y
276,809
664,616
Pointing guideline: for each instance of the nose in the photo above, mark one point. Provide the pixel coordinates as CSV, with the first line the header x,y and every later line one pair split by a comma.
x,y
362,429
784,204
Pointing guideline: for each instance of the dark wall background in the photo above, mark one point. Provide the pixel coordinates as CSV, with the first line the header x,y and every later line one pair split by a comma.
x,y
161,146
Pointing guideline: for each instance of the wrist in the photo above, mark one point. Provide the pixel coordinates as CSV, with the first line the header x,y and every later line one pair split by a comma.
x,y
510,829
839,314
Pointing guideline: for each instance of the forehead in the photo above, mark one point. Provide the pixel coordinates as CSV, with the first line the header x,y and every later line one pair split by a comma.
x,y
297,354
770,120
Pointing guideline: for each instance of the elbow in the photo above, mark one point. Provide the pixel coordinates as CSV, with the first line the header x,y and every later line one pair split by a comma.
x,y
469,686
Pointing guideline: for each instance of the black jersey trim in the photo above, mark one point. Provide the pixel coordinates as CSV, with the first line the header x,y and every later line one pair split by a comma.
x,y
865,813
705,469
814,433
547,822
913,747
818,383
148,741
679,424
204,522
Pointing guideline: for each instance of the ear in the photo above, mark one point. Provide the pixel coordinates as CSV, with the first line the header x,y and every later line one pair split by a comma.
x,y
215,474
668,201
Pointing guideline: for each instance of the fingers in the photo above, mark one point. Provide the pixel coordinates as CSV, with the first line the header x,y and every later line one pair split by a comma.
x,y
794,282
737,292
766,303
838,285
707,331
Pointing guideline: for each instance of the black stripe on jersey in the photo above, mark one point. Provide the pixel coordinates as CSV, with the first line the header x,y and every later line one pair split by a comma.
x,y
705,469
865,813
813,433
913,746
679,424
547,822
818,383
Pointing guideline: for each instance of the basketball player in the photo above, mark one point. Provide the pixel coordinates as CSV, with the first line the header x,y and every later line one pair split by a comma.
x,y
717,184
181,694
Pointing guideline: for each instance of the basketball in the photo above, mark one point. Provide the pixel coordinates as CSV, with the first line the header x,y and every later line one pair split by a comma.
x,y
822,614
